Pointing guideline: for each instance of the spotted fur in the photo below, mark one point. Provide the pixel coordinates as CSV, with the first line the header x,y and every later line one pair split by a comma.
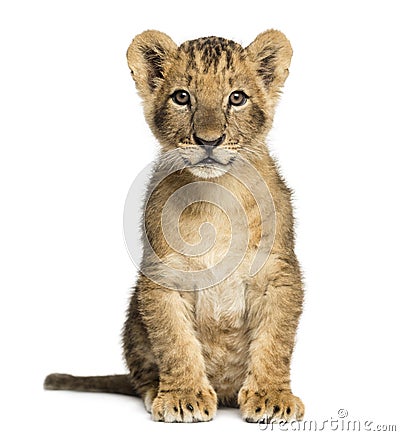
x,y
231,343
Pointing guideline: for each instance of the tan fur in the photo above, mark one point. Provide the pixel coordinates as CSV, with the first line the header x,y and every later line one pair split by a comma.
x,y
231,341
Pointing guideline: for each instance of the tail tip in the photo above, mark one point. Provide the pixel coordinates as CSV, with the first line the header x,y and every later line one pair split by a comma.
x,y
54,382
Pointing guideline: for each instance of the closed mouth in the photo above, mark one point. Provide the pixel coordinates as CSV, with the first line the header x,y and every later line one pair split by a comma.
x,y
211,161
208,160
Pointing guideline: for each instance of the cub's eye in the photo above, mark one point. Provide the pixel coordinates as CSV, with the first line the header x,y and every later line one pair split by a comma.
x,y
181,97
238,98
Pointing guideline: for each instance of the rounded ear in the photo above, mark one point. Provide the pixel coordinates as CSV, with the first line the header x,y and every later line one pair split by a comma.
x,y
149,55
271,51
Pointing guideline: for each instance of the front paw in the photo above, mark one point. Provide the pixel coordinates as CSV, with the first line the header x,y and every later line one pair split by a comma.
x,y
272,405
184,405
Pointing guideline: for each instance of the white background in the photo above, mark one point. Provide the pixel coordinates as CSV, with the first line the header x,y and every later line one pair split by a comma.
x,y
73,138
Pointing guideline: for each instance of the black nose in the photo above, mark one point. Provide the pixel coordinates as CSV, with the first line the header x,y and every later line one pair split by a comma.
x,y
208,144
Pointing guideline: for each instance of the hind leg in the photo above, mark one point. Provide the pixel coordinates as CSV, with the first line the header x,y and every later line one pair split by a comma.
x,y
144,374
144,379
148,398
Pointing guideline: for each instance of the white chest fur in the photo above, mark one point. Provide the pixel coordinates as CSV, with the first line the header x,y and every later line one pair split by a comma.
x,y
223,304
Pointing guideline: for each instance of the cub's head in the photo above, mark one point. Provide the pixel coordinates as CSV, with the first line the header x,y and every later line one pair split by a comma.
x,y
210,100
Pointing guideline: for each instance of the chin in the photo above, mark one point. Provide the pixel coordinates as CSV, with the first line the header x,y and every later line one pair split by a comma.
x,y
207,171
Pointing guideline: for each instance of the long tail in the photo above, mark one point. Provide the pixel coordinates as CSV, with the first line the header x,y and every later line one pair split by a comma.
x,y
116,384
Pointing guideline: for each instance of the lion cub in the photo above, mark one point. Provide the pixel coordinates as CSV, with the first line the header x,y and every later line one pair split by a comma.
x,y
214,313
